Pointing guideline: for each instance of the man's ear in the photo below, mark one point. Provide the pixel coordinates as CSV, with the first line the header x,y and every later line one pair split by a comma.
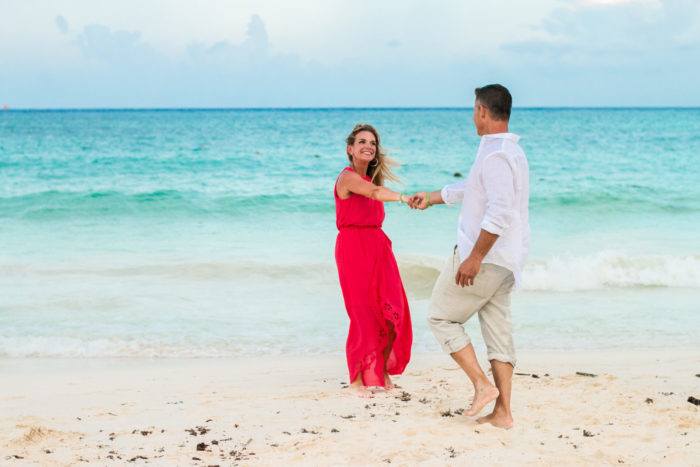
x,y
483,112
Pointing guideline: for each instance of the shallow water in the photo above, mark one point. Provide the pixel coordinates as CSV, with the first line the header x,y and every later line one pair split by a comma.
x,y
207,233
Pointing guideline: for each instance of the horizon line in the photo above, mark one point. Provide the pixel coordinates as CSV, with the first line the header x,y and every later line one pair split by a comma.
x,y
165,109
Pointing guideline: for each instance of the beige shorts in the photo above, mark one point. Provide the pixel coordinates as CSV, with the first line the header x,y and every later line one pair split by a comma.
x,y
451,306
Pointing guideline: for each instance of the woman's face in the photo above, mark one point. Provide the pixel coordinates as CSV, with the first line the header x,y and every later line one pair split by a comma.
x,y
364,148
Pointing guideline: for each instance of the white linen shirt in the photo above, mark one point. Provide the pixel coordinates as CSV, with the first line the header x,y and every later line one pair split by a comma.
x,y
495,197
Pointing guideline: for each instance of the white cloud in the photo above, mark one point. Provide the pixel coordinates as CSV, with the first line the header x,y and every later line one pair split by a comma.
x,y
631,53
656,3
629,31
62,24
117,47
312,53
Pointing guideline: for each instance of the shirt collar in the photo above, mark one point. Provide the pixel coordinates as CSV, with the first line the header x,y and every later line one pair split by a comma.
x,y
509,136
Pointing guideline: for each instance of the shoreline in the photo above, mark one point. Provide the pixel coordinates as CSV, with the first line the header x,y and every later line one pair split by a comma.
x,y
292,409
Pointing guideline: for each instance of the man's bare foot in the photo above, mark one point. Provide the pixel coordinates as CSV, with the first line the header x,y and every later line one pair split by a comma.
x,y
388,383
360,390
499,420
482,396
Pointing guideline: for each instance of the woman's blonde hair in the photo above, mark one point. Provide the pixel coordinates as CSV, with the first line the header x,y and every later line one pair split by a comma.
x,y
379,169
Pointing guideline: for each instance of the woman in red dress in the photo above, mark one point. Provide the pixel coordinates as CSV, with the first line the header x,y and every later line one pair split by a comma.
x,y
380,336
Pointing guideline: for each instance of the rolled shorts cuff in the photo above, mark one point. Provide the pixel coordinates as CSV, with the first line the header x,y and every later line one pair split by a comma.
x,y
501,357
455,344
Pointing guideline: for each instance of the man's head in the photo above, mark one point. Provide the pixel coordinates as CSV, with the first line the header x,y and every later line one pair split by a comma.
x,y
492,109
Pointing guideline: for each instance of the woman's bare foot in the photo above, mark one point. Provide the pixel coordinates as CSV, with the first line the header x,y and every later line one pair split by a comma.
x,y
498,419
359,389
482,396
388,383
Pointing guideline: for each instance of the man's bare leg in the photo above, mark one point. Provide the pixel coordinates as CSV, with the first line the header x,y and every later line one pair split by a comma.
x,y
359,389
501,415
484,391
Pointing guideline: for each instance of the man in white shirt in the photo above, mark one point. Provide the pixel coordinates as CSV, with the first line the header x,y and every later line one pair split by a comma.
x,y
493,238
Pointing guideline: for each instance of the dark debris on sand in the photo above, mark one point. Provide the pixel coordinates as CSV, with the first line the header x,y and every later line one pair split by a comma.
x,y
533,375
404,397
202,430
582,373
588,434
694,400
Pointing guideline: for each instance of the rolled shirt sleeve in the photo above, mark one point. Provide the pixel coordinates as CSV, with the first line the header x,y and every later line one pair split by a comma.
x,y
453,194
497,178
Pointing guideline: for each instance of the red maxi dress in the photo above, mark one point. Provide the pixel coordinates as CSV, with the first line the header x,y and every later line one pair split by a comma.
x,y
372,289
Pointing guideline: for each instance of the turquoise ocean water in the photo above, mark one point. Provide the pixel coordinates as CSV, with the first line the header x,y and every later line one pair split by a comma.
x,y
181,233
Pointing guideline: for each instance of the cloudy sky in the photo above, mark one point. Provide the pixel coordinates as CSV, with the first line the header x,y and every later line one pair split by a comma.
x,y
315,53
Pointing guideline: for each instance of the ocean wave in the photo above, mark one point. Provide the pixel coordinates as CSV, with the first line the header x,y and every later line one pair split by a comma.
x,y
192,271
611,270
57,346
65,204
643,199
419,272
73,347
573,273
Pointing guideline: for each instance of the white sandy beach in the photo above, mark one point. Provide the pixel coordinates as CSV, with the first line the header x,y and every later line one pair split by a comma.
x,y
292,410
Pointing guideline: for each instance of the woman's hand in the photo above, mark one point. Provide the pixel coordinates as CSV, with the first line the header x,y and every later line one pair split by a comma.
x,y
418,200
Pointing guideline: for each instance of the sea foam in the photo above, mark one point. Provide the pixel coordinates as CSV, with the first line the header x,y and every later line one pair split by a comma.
x,y
602,270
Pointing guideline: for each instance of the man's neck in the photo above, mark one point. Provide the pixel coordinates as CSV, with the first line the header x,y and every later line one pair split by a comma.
x,y
496,127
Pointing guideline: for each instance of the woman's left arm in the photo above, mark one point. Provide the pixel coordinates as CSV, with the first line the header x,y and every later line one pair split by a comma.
x,y
353,183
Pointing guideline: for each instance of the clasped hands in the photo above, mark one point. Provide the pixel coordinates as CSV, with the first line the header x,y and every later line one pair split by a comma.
x,y
418,200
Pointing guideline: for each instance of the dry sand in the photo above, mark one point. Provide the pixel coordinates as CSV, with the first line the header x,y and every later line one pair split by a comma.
x,y
293,410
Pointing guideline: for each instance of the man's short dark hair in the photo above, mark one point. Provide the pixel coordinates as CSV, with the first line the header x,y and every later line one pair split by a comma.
x,y
496,99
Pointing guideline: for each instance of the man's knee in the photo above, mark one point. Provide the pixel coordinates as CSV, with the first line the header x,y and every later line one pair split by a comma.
x,y
436,324
449,334
431,320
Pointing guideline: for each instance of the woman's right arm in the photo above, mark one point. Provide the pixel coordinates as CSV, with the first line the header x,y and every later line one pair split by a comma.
x,y
353,183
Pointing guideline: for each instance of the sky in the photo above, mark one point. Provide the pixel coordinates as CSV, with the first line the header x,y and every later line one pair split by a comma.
x,y
314,53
